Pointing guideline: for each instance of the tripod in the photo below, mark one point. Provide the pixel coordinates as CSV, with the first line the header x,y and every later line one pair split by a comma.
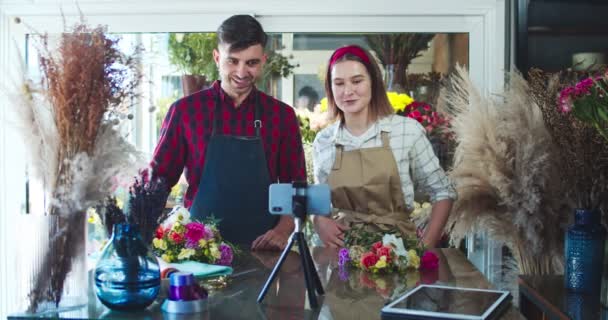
x,y
313,283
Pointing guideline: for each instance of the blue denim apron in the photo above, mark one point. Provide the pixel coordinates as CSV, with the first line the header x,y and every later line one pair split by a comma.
x,y
234,183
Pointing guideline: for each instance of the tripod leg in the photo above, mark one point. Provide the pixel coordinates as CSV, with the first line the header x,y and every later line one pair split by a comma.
x,y
312,298
276,269
315,275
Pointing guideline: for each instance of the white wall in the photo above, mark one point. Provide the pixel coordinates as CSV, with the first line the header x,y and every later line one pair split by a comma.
x,y
483,19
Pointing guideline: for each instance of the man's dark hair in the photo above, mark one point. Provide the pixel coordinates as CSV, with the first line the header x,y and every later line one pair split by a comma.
x,y
241,32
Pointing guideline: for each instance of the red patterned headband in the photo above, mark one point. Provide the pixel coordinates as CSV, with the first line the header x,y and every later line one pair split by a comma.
x,y
354,50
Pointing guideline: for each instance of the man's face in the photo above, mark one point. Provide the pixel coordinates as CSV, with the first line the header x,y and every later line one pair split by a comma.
x,y
239,69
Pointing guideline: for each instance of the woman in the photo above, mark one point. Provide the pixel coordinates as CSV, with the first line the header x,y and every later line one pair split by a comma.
x,y
372,158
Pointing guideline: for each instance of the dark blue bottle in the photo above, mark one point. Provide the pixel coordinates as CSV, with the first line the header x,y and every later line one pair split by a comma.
x,y
127,276
584,252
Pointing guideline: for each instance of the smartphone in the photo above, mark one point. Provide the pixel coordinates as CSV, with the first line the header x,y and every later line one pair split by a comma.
x,y
318,199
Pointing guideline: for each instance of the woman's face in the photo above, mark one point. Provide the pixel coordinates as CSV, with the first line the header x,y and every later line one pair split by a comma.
x,y
351,86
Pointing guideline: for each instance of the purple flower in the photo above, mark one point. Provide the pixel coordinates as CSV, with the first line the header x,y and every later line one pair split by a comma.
x,y
343,257
343,273
226,255
209,233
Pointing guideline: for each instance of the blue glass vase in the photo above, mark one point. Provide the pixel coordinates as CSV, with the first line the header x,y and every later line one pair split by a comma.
x,y
584,252
127,276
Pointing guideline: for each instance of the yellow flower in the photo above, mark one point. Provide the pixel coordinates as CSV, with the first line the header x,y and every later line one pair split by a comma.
x,y
202,243
185,254
93,217
120,203
215,252
381,262
399,100
416,213
159,244
413,260
323,103
166,258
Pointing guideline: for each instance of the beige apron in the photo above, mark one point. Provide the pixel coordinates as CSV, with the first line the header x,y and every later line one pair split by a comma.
x,y
366,190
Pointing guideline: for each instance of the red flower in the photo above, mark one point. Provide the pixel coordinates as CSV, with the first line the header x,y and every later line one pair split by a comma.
x,y
176,237
376,246
368,260
429,261
160,232
385,251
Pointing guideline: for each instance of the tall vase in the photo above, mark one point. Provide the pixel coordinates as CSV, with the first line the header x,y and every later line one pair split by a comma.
x,y
127,276
584,253
51,263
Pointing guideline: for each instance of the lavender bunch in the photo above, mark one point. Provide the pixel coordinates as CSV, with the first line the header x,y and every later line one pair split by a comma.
x,y
111,214
147,198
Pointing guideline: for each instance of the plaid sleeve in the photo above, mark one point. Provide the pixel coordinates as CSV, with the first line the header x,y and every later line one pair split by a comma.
x,y
292,166
426,171
170,153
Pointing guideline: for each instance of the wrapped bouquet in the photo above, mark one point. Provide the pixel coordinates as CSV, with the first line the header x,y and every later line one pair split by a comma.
x,y
390,254
180,239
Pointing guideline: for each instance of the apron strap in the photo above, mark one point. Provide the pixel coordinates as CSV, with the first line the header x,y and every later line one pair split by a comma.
x,y
385,139
338,160
257,122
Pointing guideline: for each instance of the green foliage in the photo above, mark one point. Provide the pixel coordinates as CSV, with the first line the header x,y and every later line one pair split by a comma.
x,y
277,66
193,53
163,105
308,135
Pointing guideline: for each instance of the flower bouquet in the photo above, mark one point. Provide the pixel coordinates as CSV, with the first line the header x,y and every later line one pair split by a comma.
x,y
388,254
180,239
587,100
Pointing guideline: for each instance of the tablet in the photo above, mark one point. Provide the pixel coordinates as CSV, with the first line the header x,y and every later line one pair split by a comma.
x,y
434,302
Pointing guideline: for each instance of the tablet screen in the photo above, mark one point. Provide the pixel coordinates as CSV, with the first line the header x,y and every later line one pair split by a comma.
x,y
449,300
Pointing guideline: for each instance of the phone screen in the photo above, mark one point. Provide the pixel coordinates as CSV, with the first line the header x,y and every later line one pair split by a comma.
x,y
318,199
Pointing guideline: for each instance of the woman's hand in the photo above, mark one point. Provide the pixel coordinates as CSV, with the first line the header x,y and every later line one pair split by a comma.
x,y
330,231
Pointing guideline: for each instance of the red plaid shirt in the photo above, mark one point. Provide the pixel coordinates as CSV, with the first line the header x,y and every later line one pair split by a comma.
x,y
187,128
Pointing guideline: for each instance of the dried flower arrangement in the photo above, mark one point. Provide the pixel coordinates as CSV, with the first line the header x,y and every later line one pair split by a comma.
x,y
506,172
70,123
582,150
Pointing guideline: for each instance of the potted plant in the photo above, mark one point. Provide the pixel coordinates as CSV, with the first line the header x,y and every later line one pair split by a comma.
x,y
277,66
192,53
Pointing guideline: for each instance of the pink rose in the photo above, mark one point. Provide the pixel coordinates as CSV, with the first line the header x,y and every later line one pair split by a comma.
x,y
376,246
385,251
160,232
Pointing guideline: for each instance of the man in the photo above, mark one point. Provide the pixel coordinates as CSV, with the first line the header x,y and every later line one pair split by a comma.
x,y
232,141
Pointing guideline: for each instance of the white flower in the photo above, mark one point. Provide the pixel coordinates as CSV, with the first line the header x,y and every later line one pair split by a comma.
x,y
396,243
178,213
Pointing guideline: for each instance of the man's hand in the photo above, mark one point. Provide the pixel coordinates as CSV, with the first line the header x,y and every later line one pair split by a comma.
x,y
330,231
273,239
